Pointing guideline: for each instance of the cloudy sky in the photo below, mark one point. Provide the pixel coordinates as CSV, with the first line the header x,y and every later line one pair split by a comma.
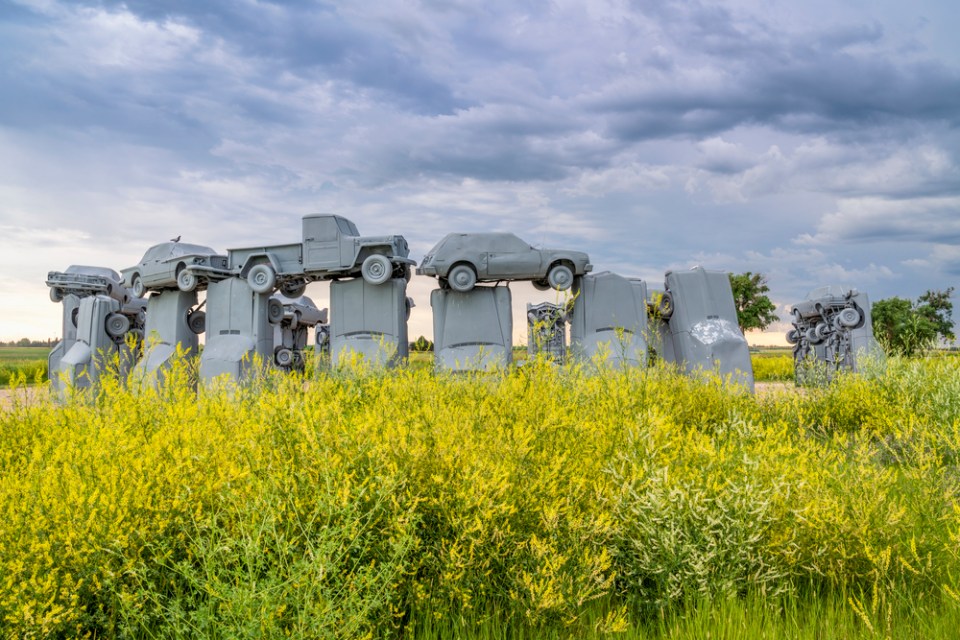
x,y
816,142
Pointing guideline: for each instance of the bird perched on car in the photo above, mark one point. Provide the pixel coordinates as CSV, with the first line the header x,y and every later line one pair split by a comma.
x,y
177,239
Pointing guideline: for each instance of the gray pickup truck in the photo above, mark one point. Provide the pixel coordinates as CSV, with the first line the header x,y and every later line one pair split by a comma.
x,y
331,248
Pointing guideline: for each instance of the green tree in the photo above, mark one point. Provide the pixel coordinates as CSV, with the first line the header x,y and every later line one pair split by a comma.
x,y
906,328
754,309
421,344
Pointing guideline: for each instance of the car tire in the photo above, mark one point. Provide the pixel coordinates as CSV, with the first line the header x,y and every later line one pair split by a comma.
x,y
262,278
274,311
117,324
822,330
462,277
186,280
376,269
56,294
793,336
197,321
665,306
560,277
283,357
293,289
136,285
849,318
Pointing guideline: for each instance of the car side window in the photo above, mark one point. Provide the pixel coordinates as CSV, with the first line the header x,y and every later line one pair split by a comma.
x,y
327,230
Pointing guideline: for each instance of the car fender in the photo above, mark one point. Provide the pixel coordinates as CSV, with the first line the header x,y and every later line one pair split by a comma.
x,y
259,258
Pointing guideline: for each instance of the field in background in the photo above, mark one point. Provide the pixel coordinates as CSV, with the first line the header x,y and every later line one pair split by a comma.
x,y
31,362
541,502
769,364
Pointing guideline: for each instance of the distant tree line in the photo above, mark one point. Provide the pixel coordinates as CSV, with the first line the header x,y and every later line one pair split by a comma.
x,y
27,342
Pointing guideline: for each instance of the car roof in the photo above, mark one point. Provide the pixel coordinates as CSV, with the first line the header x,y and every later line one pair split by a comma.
x,y
166,250
481,241
104,272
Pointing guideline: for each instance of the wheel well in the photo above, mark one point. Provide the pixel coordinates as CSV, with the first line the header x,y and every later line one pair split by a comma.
x,y
565,262
367,251
180,267
465,263
252,262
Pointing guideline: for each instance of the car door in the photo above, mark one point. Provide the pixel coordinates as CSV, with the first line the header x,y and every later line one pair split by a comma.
x,y
510,257
321,243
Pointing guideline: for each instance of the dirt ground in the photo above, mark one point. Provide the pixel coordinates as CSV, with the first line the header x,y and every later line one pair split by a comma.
x,y
27,394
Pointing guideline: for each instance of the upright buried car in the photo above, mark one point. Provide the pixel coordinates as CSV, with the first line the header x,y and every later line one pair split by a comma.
x,y
164,266
461,260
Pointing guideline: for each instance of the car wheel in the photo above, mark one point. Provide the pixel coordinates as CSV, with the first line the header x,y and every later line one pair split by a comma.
x,y
186,280
849,318
793,336
137,286
117,324
560,277
293,289
56,294
541,285
376,269
262,278
274,311
822,331
665,305
462,277
197,321
283,357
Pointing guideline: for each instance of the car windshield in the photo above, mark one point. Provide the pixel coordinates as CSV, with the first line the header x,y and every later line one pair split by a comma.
x,y
347,228
169,250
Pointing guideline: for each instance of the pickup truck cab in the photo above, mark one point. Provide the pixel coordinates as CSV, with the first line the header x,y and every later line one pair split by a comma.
x,y
331,248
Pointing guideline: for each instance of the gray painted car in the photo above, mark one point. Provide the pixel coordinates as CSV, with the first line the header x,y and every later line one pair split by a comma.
x,y
83,281
164,267
461,260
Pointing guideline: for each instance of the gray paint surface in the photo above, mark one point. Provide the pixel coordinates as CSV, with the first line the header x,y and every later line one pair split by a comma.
x,y
330,247
832,326
99,346
493,257
170,327
608,324
290,334
703,325
91,297
547,330
238,331
472,331
369,321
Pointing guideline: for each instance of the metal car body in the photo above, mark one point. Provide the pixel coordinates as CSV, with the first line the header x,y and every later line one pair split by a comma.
x,y
331,248
82,281
164,266
461,260
831,326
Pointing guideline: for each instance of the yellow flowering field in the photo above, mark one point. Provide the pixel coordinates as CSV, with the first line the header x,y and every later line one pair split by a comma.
x,y
357,503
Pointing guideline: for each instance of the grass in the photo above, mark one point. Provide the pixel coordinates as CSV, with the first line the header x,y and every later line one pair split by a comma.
x,y
751,616
30,362
539,502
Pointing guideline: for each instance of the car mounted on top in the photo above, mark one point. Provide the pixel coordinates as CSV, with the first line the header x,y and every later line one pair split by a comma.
x,y
165,266
331,248
85,281
461,260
